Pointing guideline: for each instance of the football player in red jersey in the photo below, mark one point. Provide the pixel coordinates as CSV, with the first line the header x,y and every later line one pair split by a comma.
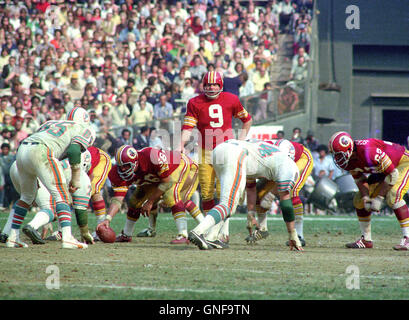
x,y
390,162
305,163
100,166
157,173
211,113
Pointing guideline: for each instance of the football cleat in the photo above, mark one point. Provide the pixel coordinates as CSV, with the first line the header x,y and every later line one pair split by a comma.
x,y
123,238
15,243
33,234
73,244
180,239
360,244
145,233
3,237
55,236
403,246
299,237
217,244
198,240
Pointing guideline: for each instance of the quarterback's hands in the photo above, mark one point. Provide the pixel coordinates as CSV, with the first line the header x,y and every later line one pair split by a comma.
x,y
376,203
294,242
146,208
367,203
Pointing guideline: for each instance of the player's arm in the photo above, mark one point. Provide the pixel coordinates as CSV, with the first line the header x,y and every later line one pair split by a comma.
x,y
165,185
114,207
245,129
189,122
385,166
251,207
245,118
74,158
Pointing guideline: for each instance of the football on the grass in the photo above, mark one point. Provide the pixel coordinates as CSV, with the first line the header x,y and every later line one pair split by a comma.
x,y
106,234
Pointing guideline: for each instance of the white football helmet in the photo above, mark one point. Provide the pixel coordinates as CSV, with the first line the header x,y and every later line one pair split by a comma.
x,y
79,115
285,146
86,161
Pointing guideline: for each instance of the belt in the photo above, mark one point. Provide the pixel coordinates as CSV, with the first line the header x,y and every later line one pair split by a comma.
x,y
26,142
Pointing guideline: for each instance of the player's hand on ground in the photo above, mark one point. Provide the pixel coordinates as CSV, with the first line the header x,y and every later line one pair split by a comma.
x,y
87,238
146,208
294,242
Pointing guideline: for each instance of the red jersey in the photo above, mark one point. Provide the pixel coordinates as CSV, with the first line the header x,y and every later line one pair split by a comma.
x,y
213,118
153,165
95,158
375,156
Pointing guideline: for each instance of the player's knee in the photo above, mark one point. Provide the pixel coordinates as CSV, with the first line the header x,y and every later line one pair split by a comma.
x,y
178,207
133,213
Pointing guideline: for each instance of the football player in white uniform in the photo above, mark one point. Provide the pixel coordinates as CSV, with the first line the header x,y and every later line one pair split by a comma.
x,y
39,157
237,162
44,201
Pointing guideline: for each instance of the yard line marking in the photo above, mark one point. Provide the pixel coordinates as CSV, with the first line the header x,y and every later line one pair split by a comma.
x,y
138,288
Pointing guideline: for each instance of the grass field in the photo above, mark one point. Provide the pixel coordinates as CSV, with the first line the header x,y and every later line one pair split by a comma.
x,y
151,268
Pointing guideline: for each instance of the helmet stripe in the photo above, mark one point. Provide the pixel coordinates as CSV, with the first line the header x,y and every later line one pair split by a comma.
x,y
71,114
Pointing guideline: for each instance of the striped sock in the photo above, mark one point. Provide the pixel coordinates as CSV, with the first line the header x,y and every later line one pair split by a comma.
x,y
99,210
219,212
63,214
402,214
18,217
179,214
194,211
364,218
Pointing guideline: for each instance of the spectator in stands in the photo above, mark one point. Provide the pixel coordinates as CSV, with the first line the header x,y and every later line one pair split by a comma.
x,y
323,164
142,139
125,138
286,13
154,140
311,142
247,86
298,75
280,134
264,100
302,39
287,100
259,78
163,109
188,90
297,137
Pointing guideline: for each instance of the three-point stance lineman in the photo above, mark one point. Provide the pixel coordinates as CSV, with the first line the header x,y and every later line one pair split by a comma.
x,y
38,157
237,161
390,163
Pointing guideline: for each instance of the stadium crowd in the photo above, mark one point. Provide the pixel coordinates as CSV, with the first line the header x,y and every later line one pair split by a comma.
x,y
131,63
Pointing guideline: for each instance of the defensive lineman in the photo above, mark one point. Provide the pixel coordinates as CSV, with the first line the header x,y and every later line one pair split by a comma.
x,y
236,161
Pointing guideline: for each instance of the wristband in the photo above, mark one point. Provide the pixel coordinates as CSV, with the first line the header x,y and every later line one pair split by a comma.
x,y
108,217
